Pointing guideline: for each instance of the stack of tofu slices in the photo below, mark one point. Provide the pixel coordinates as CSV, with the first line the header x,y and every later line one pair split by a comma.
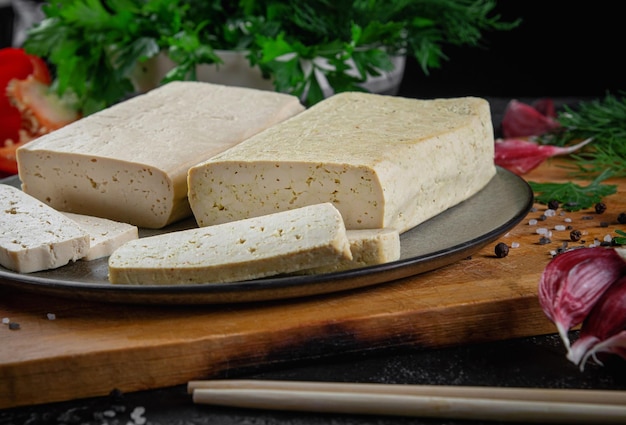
x,y
275,189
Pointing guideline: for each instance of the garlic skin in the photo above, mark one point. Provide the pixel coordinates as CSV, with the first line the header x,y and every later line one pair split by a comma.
x,y
604,329
517,151
521,156
573,282
524,120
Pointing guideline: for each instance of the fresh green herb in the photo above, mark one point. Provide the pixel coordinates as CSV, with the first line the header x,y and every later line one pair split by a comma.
x,y
603,120
95,45
620,240
572,196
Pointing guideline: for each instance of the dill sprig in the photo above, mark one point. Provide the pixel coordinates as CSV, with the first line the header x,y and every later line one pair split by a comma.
x,y
603,120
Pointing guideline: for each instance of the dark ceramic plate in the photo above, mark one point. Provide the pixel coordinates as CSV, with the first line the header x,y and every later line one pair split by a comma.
x,y
450,236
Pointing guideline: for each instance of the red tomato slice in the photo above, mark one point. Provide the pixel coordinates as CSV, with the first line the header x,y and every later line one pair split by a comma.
x,y
15,63
8,163
10,124
40,70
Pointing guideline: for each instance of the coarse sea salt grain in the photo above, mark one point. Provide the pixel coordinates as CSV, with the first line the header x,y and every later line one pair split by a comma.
x,y
608,238
532,222
542,231
51,316
6,320
567,220
109,413
550,213
137,415
514,244
595,243
559,227
138,411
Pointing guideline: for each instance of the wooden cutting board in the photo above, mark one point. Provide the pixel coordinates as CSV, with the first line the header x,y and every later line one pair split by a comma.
x,y
92,348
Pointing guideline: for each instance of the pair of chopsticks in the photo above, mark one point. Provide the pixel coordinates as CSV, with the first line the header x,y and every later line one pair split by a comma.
x,y
434,401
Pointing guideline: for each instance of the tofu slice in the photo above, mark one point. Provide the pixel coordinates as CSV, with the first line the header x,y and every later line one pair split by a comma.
x,y
369,247
257,247
129,162
34,236
105,235
383,161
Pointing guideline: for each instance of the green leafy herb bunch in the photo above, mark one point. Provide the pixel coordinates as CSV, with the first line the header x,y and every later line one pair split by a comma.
x,y
95,45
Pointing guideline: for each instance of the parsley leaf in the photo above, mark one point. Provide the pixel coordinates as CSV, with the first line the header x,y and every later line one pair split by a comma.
x,y
95,47
572,196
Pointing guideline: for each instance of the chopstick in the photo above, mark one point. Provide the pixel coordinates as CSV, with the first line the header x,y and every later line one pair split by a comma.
x,y
434,401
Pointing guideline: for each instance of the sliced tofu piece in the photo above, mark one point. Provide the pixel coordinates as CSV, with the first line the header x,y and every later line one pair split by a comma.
x,y
383,161
105,235
283,242
129,162
369,247
34,236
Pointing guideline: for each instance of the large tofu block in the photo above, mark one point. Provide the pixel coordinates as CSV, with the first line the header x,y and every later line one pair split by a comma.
x,y
129,162
257,247
383,161
34,236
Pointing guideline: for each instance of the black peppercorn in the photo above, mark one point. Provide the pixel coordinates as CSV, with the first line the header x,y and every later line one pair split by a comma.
x,y
600,207
575,235
502,250
621,218
553,204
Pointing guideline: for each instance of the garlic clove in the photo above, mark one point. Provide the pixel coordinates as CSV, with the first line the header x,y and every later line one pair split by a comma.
x,y
545,106
521,156
573,282
604,329
523,120
613,345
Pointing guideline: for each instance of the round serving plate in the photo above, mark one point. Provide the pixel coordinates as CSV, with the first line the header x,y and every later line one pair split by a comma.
x,y
446,238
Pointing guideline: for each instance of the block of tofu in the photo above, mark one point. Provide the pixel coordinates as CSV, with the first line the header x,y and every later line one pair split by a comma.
x,y
129,162
383,161
257,247
369,247
34,236
105,235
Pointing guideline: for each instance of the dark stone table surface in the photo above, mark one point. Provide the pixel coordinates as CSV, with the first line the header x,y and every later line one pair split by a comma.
x,y
528,362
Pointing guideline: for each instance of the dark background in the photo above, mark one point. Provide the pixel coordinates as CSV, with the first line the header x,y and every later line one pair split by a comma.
x,y
6,25
561,48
